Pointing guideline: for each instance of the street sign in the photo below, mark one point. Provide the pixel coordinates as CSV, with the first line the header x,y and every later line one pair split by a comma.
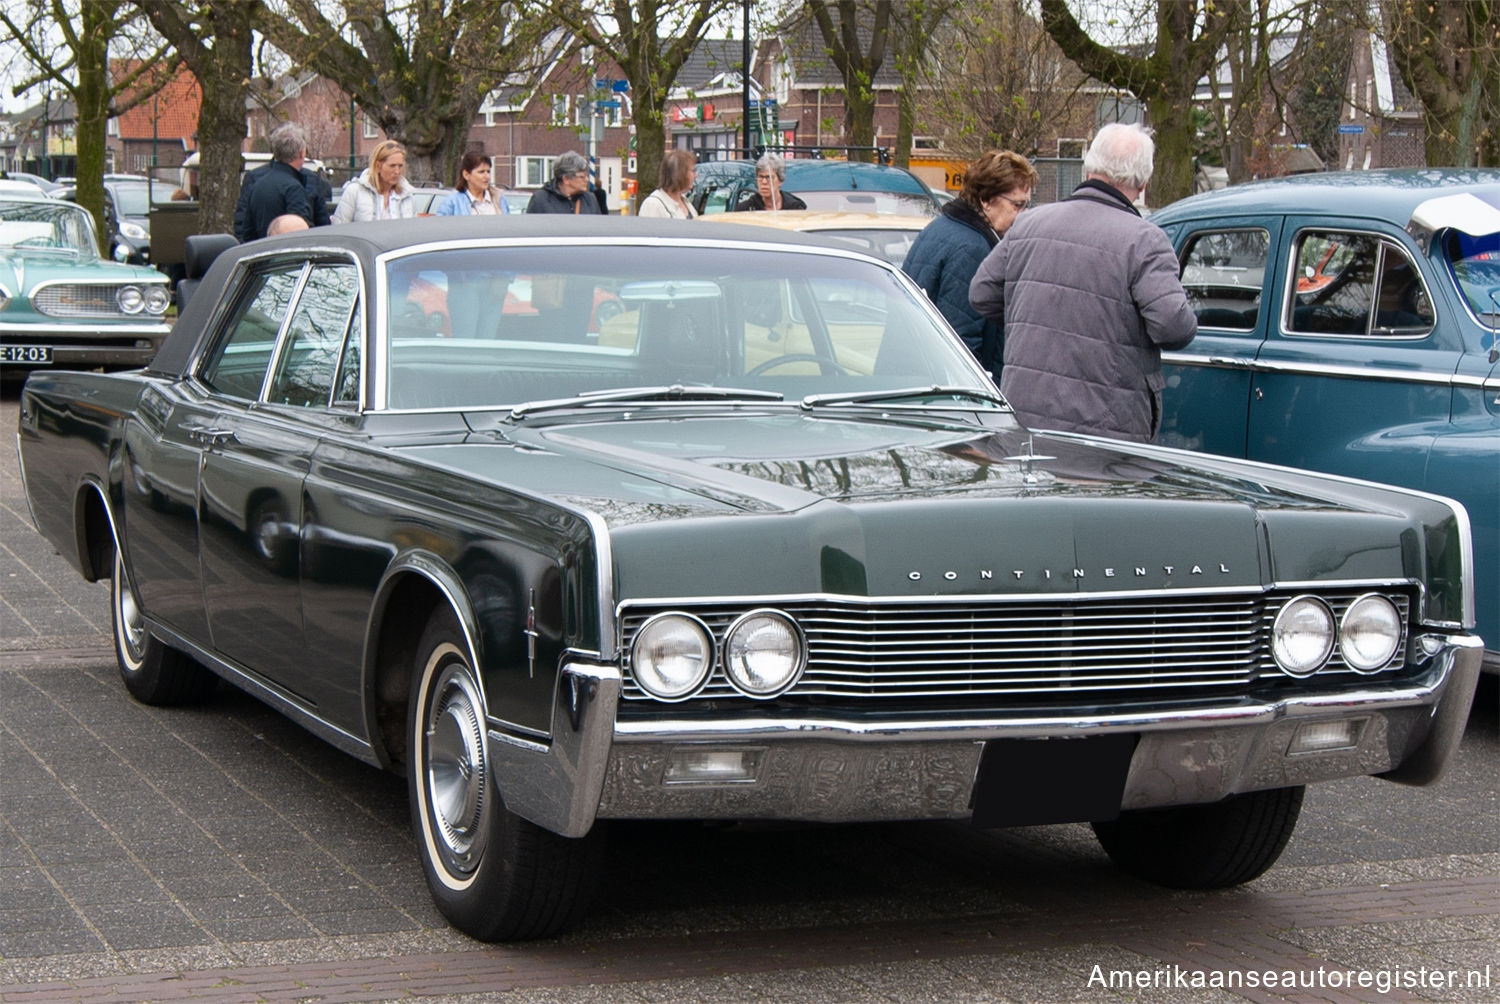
x,y
606,104
1351,128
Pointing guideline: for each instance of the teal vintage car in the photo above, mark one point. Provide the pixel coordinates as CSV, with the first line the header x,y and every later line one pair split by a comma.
x,y
1347,324
61,303
760,542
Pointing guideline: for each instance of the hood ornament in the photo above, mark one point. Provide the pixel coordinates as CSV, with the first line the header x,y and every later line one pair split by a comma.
x,y
1028,458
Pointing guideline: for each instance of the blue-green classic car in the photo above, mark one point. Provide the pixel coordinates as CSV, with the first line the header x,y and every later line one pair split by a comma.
x,y
61,304
760,541
1347,324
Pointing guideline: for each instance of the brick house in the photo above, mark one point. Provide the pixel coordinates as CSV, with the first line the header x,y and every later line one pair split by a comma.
x,y
157,134
535,115
1381,125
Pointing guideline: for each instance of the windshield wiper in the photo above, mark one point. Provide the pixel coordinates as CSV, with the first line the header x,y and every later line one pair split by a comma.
x,y
877,396
627,395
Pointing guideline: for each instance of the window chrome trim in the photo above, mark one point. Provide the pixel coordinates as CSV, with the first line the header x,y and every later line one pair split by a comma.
x,y
1289,290
192,372
1330,370
283,334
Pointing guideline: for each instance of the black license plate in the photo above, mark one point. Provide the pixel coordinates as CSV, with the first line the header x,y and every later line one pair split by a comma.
x,y
25,353
1028,782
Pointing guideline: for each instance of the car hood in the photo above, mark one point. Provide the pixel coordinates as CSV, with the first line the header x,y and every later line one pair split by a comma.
x,y
23,268
780,502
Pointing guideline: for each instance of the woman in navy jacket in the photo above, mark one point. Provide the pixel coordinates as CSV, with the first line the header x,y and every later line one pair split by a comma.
x,y
946,253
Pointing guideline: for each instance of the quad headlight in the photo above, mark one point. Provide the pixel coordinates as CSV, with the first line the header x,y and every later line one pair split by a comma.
x,y
1369,633
672,656
764,653
157,299
1302,636
130,299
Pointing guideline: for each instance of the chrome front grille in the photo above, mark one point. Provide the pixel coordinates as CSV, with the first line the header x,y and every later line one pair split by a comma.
x,y
1158,646
78,301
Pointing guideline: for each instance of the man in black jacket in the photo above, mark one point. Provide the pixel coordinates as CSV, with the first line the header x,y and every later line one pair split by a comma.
x,y
568,191
280,187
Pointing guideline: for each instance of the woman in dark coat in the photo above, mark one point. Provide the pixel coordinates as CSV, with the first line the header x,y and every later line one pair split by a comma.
x,y
946,253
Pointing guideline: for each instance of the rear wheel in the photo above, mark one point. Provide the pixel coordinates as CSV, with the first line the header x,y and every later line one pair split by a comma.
x,y
1204,846
153,672
493,875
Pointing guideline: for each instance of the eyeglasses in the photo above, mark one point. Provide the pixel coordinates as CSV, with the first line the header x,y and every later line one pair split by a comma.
x,y
1020,204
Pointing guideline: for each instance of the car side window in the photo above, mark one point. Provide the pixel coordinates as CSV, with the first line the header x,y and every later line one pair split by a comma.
x,y
237,367
1356,284
1224,273
346,386
315,338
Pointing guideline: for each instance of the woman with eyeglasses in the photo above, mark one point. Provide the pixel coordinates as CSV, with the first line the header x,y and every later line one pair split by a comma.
x,y
568,191
770,172
945,255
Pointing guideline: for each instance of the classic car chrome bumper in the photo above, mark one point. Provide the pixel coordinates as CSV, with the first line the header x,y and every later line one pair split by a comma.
x,y
832,770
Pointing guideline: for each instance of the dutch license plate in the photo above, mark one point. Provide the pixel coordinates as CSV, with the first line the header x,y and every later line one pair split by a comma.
x,y
25,353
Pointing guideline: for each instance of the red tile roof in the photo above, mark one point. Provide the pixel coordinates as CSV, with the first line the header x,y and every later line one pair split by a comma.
x,y
175,108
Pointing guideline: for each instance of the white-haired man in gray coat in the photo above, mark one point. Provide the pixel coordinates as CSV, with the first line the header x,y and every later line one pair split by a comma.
x,y
1089,296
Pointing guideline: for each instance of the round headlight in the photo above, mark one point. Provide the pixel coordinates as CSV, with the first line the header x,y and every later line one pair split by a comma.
x,y
130,299
1370,632
764,653
672,656
1302,636
157,299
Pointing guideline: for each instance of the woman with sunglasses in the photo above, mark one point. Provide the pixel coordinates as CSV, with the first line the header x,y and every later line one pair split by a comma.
x,y
945,255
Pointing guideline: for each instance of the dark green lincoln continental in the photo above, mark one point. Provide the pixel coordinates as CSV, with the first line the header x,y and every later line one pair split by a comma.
x,y
577,520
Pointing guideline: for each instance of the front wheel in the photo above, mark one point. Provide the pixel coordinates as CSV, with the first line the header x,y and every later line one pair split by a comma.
x,y
493,875
153,672
1204,846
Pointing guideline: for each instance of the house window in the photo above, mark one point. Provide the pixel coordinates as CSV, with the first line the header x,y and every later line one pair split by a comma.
x,y
533,172
562,110
370,129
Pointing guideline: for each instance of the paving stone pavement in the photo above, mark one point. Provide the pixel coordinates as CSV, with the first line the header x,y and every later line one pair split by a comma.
x,y
220,853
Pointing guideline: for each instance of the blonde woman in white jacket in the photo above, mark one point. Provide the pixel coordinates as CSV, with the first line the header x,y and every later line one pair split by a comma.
x,y
380,193
679,169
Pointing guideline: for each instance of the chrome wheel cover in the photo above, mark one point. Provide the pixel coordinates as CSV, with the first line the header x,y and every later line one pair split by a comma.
x,y
130,623
455,768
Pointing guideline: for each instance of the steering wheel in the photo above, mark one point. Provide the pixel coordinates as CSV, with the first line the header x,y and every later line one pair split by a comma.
x,y
796,357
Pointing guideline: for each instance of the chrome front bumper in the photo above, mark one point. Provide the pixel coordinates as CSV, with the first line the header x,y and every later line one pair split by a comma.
x,y
831,770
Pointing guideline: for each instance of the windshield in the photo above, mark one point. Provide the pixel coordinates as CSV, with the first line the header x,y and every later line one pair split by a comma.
x,y
132,198
869,201
46,225
1475,265
493,327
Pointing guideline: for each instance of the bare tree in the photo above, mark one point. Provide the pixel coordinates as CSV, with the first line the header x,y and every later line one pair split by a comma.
x,y
1448,55
649,40
418,68
911,49
1186,39
81,66
215,41
999,81
857,59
